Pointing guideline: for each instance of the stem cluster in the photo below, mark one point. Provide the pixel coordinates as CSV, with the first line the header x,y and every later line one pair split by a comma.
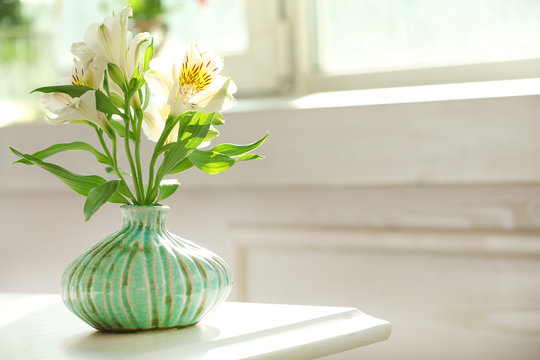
x,y
132,117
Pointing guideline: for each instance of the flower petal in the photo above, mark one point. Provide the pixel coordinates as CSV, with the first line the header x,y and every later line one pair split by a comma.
x,y
159,84
135,53
154,120
63,108
199,69
216,99
83,52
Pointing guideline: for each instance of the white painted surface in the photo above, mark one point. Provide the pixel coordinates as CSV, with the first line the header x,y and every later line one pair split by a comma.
x,y
431,210
476,141
459,302
40,327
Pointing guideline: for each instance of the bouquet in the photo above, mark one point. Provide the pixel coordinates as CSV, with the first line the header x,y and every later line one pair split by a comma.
x,y
115,91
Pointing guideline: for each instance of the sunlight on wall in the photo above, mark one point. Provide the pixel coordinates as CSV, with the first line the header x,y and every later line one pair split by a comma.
x,y
410,94
13,113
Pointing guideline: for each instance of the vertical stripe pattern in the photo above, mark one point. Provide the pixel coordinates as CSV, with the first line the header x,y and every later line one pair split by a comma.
x,y
143,277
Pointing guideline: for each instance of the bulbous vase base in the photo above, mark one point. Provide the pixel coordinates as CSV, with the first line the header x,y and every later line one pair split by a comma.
x,y
144,278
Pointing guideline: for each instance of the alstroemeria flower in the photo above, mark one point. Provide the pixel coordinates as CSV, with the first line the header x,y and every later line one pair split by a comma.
x,y
113,43
155,116
197,87
87,68
63,108
88,75
87,71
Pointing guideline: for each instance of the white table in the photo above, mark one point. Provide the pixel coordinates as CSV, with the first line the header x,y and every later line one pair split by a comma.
x,y
36,326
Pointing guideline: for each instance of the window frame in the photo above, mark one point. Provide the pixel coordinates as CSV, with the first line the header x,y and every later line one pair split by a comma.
x,y
308,79
264,68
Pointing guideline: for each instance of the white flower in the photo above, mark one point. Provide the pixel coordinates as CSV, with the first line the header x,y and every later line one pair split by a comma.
x,y
87,68
113,43
63,108
87,71
155,116
198,87
86,75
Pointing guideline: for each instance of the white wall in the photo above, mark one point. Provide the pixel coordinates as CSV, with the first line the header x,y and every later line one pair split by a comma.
x,y
425,214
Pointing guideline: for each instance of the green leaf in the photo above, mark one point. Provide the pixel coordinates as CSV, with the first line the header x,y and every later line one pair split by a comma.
x,y
106,83
85,122
191,133
211,162
81,184
153,193
136,82
236,150
124,190
249,157
99,196
182,166
110,170
138,112
170,123
167,188
194,131
105,105
218,119
212,133
146,96
121,129
117,100
71,90
117,75
148,54
77,145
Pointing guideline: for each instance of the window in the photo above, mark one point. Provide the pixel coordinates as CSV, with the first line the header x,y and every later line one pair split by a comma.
x,y
246,32
274,47
380,43
36,37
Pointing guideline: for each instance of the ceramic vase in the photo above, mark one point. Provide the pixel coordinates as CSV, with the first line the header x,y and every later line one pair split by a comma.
x,y
143,277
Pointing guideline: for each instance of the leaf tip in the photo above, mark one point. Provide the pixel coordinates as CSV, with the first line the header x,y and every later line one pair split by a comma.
x,y
16,152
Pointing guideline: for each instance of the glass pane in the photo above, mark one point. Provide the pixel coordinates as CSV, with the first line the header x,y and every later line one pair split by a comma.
x,y
382,35
24,61
35,42
219,25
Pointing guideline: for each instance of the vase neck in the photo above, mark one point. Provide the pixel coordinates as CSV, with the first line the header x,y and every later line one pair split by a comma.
x,y
150,217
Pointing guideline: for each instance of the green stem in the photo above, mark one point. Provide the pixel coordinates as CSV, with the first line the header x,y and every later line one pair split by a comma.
x,y
138,158
151,179
117,170
153,184
159,177
99,133
113,158
127,121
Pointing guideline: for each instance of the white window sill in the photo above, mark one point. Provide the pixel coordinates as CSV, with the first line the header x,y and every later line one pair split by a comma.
x,y
351,98
398,95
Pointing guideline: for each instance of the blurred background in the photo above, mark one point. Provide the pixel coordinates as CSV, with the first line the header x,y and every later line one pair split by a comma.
x,y
402,171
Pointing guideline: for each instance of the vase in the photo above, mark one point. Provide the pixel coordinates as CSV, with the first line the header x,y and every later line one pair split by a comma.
x,y
143,277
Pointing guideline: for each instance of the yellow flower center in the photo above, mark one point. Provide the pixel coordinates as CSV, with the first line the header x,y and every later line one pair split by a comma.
x,y
77,79
197,76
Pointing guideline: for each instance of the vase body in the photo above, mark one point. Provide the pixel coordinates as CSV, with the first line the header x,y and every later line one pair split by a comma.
x,y
143,277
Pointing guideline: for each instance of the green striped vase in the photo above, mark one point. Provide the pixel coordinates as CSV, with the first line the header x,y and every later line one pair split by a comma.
x,y
143,277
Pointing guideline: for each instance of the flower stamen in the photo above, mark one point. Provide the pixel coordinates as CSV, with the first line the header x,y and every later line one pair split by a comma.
x,y
198,71
79,79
